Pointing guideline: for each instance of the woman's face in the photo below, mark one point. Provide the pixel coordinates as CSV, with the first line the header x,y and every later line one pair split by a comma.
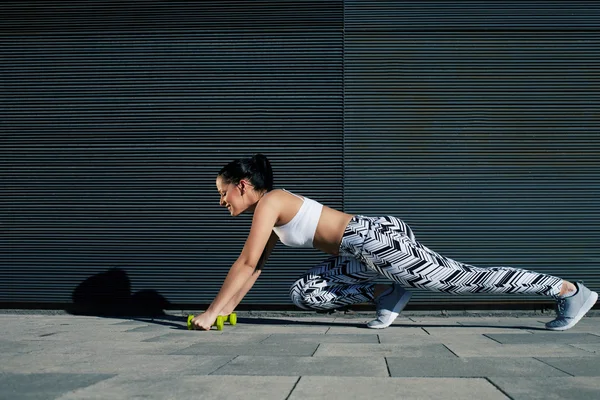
x,y
231,197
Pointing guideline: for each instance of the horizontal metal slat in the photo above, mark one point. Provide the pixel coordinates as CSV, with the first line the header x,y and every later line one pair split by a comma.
x,y
440,16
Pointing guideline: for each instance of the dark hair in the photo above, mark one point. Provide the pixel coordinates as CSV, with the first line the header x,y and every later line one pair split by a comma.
x,y
257,169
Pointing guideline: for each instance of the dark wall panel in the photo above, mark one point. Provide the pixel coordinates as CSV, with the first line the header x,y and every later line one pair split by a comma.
x,y
477,123
116,118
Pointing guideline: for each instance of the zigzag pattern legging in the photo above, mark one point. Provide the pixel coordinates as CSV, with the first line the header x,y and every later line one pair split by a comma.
x,y
375,247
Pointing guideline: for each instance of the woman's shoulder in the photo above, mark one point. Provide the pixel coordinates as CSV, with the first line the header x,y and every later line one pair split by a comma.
x,y
280,193
278,201
281,196
284,195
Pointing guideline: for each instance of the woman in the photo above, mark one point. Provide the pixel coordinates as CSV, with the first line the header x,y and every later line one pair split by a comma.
x,y
362,249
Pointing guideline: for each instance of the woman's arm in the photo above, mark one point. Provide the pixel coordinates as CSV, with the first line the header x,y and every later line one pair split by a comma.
x,y
237,298
265,217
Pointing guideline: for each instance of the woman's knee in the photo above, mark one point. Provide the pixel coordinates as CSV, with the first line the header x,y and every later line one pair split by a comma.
x,y
302,293
298,293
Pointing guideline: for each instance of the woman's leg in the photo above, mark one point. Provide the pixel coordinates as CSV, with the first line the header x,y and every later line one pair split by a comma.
x,y
334,283
388,246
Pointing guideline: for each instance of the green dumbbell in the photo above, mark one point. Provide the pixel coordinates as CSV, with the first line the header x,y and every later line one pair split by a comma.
x,y
218,323
231,318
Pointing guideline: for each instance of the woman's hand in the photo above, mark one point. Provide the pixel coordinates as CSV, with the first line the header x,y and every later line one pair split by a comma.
x,y
203,321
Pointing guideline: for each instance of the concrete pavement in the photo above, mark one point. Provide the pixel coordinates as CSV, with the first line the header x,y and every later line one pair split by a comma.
x,y
298,355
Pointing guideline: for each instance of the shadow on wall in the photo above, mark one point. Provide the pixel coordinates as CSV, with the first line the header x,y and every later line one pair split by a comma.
x,y
108,294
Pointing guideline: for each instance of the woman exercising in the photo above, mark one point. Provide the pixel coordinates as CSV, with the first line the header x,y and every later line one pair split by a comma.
x,y
362,249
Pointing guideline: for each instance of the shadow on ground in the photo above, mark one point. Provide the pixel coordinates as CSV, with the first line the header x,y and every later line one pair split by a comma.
x,y
108,294
177,322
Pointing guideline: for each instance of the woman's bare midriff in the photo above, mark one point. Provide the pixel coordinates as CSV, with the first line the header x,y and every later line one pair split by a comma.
x,y
330,230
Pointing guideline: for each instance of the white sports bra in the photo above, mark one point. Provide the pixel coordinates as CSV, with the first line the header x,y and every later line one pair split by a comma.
x,y
300,231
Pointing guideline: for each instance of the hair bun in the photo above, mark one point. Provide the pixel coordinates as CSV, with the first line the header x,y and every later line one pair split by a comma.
x,y
264,167
259,157
256,168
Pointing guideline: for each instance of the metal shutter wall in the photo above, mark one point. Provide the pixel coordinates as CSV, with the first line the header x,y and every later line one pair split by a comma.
x,y
477,123
116,117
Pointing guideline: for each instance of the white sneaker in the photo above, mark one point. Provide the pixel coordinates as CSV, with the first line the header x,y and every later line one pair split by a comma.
x,y
389,305
569,310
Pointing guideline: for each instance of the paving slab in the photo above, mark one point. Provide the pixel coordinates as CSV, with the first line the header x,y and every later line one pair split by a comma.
x,y
363,330
471,329
105,363
129,323
592,347
577,366
362,321
546,337
211,337
469,367
327,338
270,329
289,322
433,321
34,333
215,387
39,363
82,325
287,349
79,334
400,331
300,366
151,329
383,350
327,388
44,386
584,388
473,339
511,322
464,349
106,346
306,320
12,346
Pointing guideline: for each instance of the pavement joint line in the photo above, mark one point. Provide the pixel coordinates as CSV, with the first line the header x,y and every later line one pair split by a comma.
x,y
426,331
317,348
262,341
498,388
450,350
293,388
223,365
491,338
573,345
328,329
388,367
542,361
379,338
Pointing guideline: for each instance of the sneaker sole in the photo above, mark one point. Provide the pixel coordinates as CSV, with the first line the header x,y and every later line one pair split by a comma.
x,y
582,311
403,301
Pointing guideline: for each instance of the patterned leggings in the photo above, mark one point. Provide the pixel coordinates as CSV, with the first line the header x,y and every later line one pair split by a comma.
x,y
373,247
